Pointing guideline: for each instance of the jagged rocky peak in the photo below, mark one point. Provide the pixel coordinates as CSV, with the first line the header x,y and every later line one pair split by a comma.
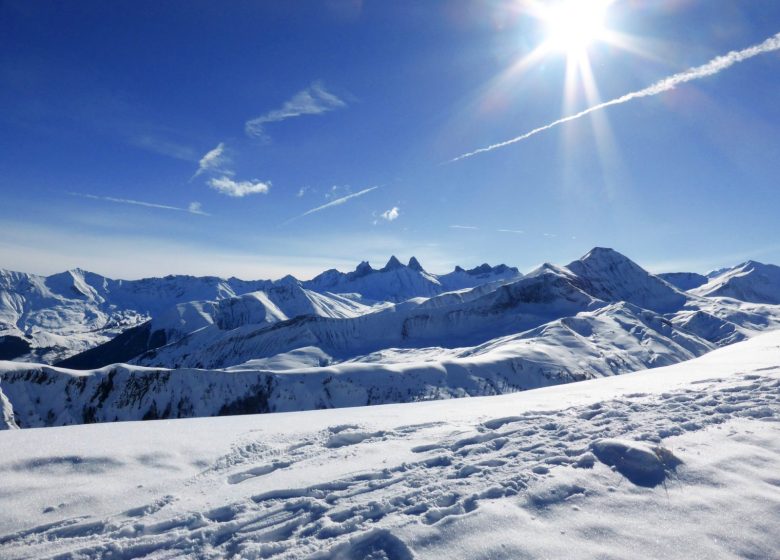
x,y
393,264
415,265
362,269
484,268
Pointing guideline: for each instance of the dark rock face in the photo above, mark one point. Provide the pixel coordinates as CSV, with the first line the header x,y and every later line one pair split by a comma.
x,y
131,343
11,347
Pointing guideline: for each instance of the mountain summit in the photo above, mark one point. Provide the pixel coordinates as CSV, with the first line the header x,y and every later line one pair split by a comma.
x,y
611,276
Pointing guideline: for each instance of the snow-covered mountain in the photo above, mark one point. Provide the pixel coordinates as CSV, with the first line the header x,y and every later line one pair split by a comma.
x,y
462,318
610,276
616,339
285,346
49,319
750,281
397,282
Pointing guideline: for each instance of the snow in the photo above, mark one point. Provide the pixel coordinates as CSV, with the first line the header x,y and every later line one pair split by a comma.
x,y
49,319
751,281
611,276
613,340
287,348
684,280
525,475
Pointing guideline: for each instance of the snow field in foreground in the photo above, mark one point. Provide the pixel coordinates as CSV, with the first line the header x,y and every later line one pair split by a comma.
x,y
694,449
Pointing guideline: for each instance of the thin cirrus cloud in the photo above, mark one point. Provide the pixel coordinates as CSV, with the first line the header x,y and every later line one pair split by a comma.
x,y
517,231
313,100
237,189
193,208
332,203
153,143
714,66
214,160
463,227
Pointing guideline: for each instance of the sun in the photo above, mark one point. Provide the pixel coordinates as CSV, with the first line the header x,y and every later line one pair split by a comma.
x,y
573,25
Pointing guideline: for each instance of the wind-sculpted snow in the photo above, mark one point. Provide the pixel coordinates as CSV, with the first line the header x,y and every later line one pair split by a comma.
x,y
539,474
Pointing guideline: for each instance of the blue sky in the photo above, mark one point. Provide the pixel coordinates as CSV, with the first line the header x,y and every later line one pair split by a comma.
x,y
357,108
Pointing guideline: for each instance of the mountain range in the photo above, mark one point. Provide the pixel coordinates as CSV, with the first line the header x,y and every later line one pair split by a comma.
x,y
86,348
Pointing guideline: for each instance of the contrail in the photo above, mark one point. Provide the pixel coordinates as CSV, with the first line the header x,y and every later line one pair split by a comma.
x,y
712,67
336,202
194,207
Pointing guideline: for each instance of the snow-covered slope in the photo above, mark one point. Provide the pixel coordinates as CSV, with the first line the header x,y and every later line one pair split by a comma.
x,y
613,340
504,309
676,462
684,280
751,281
610,276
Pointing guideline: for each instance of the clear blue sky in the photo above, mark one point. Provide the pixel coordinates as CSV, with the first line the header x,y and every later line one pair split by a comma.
x,y
305,103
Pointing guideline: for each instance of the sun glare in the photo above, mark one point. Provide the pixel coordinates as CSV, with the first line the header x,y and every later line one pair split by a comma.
x,y
573,25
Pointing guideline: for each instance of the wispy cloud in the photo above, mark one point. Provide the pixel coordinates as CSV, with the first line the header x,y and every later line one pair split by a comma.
x,y
238,189
332,203
214,160
196,208
463,227
302,191
313,100
193,208
714,66
391,214
518,231
163,147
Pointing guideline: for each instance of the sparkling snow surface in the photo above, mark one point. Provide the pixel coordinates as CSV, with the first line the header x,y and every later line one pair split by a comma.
x,y
694,449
